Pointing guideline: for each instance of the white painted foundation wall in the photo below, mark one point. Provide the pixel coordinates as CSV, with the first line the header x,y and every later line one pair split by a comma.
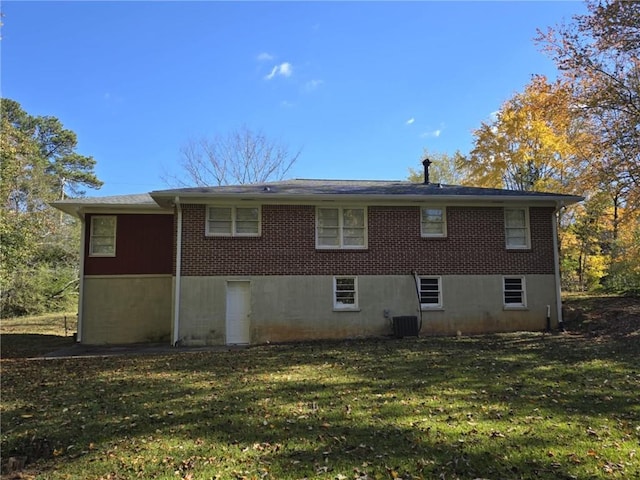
x,y
290,308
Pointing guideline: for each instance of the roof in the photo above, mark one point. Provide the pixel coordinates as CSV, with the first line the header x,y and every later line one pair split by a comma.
x,y
75,206
379,190
309,190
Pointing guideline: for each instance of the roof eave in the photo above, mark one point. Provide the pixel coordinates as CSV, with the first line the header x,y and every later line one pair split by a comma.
x,y
79,209
68,208
167,200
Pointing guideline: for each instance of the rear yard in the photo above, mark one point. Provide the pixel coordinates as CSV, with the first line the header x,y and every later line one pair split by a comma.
x,y
513,406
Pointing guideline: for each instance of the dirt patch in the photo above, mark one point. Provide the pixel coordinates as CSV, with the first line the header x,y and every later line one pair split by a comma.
x,y
614,317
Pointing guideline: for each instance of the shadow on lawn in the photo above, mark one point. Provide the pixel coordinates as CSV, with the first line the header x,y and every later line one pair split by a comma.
x,y
22,345
417,405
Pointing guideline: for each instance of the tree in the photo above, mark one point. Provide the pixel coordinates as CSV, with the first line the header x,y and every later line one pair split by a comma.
x,y
38,247
599,53
587,245
443,169
533,143
539,141
242,156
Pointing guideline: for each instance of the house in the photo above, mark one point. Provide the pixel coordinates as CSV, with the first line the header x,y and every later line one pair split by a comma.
x,y
312,259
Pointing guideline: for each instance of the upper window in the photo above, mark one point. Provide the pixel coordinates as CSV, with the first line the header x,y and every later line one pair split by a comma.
x,y
102,239
433,221
516,221
345,293
233,221
430,292
343,227
514,293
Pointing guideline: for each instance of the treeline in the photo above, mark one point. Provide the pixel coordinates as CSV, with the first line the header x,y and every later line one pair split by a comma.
x,y
39,247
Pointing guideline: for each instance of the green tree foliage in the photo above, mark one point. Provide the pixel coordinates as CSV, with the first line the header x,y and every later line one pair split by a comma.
x,y
38,247
443,169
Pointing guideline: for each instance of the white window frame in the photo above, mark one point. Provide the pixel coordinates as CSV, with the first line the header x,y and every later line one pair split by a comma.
x,y
234,221
527,229
424,223
337,305
430,306
522,291
341,228
93,236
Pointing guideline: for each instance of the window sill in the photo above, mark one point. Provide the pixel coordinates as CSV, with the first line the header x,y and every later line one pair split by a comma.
x,y
432,309
346,309
515,307
208,235
345,249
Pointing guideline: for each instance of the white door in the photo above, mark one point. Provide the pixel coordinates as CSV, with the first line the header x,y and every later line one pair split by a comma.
x,y
238,309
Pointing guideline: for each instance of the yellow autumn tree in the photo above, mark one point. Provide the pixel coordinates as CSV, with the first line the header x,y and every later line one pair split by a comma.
x,y
534,142
599,54
539,141
623,273
587,245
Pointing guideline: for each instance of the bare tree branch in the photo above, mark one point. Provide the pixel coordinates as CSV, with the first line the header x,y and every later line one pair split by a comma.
x,y
242,156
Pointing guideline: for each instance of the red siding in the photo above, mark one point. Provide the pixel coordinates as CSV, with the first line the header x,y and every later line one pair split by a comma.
x,y
144,245
475,245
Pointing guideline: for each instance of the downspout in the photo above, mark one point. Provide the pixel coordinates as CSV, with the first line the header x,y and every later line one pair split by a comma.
x,y
416,280
176,302
83,232
556,261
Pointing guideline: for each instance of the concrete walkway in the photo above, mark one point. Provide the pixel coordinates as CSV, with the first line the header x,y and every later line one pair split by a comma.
x,y
88,351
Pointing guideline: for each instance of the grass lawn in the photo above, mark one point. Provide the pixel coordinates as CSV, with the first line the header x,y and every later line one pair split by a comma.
x,y
512,406
32,336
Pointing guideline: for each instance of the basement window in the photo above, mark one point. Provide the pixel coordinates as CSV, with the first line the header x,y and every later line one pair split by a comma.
x,y
345,293
102,237
514,292
430,292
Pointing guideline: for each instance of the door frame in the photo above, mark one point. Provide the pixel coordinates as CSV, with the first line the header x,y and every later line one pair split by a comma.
x,y
227,321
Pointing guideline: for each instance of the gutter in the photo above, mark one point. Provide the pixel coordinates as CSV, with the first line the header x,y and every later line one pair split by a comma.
x,y
556,261
385,199
177,287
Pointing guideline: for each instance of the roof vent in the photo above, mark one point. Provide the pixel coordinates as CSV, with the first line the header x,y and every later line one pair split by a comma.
x,y
426,162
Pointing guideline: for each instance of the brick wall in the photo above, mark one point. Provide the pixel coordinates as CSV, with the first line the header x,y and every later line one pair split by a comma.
x,y
475,244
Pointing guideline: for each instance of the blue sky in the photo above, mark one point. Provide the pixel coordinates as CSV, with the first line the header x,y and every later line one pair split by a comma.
x,y
362,88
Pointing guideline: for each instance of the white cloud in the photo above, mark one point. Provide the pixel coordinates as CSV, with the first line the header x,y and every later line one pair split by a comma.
x,y
264,57
285,69
433,133
410,121
312,85
272,74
